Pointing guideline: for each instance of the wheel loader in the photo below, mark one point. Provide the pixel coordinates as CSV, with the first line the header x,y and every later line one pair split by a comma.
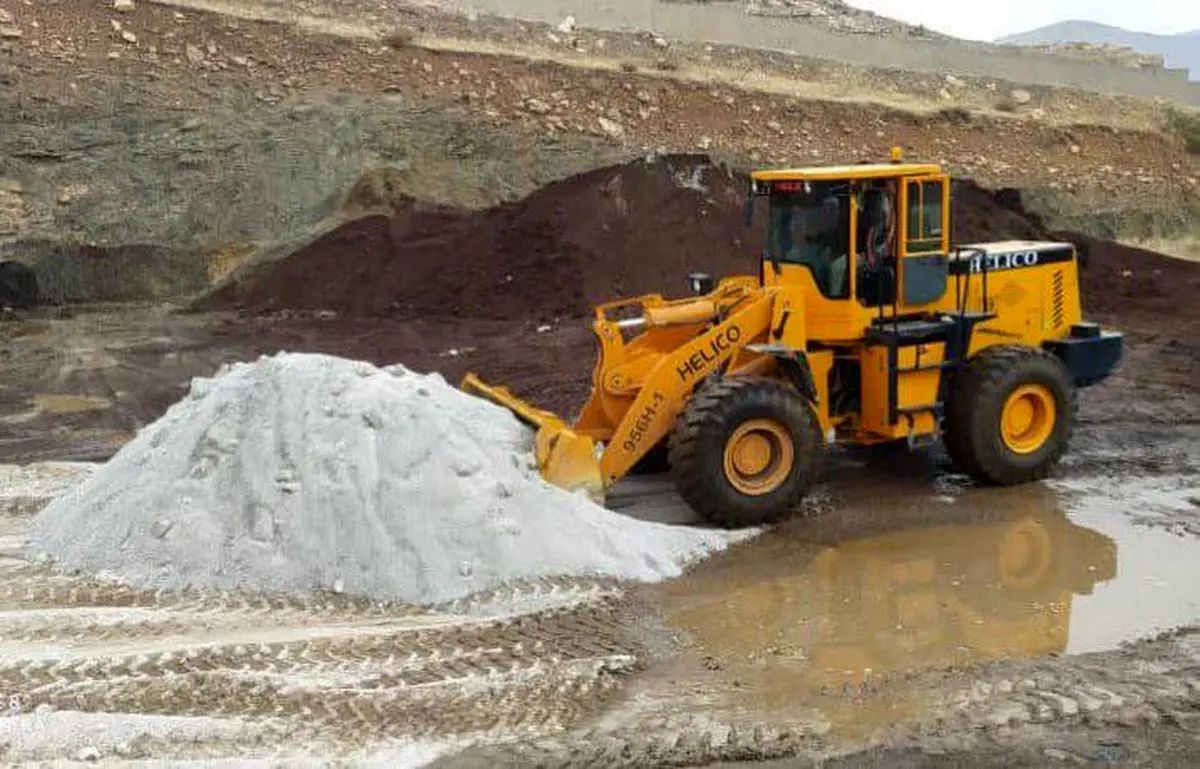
x,y
865,324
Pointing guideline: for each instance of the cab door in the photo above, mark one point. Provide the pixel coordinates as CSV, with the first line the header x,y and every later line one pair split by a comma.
x,y
924,264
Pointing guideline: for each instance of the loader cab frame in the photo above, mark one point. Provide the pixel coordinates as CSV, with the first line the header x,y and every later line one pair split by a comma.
x,y
890,221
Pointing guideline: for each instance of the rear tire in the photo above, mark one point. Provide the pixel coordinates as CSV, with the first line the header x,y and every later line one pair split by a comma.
x,y
1011,415
745,451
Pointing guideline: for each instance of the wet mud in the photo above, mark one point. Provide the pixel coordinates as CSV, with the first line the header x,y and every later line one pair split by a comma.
x,y
904,606
843,611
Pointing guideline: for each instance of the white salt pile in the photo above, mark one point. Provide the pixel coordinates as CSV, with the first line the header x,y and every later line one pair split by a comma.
x,y
302,472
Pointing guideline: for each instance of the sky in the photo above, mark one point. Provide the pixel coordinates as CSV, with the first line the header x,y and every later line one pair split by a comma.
x,y
990,20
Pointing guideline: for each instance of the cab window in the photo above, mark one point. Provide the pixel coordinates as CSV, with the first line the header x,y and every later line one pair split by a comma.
x,y
924,217
813,229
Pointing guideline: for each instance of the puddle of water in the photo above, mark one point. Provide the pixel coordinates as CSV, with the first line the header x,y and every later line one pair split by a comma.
x,y
822,609
1158,582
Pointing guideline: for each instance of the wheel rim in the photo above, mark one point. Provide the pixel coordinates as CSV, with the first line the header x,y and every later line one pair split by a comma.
x,y
1028,418
1026,555
759,456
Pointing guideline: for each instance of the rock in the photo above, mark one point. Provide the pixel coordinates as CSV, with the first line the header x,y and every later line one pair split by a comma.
x,y
124,6
193,53
567,25
1020,96
10,32
954,82
537,106
128,37
611,127
87,753
1004,687
1087,703
6,17
1065,706
1043,679
1059,755
1008,713
1134,716
705,142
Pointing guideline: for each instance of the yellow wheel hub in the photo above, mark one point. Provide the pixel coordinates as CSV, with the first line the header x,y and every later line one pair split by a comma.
x,y
759,457
1028,419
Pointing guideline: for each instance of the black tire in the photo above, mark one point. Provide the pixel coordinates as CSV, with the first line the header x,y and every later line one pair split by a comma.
x,y
654,462
658,460
18,286
698,445
973,436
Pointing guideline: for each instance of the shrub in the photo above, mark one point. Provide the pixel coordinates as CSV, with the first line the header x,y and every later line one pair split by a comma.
x,y
1187,126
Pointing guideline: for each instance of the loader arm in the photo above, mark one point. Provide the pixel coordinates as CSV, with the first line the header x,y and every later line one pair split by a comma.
x,y
666,388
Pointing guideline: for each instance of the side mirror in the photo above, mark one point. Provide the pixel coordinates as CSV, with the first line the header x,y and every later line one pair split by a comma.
x,y
700,283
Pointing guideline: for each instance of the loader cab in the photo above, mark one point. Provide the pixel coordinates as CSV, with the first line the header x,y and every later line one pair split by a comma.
x,y
872,238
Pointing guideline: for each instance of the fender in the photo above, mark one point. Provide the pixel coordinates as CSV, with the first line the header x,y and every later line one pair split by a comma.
x,y
795,364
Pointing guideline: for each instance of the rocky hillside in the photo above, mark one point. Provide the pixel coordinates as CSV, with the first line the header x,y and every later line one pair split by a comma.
x,y
1086,38
147,148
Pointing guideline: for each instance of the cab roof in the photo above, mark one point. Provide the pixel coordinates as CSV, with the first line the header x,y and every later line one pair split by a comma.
x,y
839,173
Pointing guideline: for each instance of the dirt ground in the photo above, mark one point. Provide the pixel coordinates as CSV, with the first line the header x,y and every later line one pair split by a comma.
x,y
908,619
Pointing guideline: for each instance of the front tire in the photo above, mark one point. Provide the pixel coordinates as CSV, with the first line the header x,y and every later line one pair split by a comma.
x,y
1011,415
745,451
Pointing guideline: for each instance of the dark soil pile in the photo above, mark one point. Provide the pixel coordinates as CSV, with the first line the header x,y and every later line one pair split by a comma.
x,y
622,231
614,232
1131,284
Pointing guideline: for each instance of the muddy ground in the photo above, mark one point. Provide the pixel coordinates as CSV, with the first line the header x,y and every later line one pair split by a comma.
x,y
908,619
908,615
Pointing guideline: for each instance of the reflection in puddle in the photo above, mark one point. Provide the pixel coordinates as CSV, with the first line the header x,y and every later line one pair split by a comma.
x,y
809,616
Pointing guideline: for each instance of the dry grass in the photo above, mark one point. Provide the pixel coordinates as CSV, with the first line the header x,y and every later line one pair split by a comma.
x,y
1186,123
400,38
1006,105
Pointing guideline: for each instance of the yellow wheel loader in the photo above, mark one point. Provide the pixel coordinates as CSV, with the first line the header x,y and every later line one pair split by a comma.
x,y
865,324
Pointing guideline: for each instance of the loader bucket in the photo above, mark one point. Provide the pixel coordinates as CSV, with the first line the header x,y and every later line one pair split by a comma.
x,y
565,458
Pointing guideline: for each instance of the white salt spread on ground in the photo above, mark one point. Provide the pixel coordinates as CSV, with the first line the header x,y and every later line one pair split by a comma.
x,y
300,472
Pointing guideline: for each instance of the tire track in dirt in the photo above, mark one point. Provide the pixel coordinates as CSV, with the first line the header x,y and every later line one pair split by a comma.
x,y
548,698
333,666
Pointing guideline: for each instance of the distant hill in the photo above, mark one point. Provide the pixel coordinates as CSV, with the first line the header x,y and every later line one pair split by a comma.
x,y
1180,51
